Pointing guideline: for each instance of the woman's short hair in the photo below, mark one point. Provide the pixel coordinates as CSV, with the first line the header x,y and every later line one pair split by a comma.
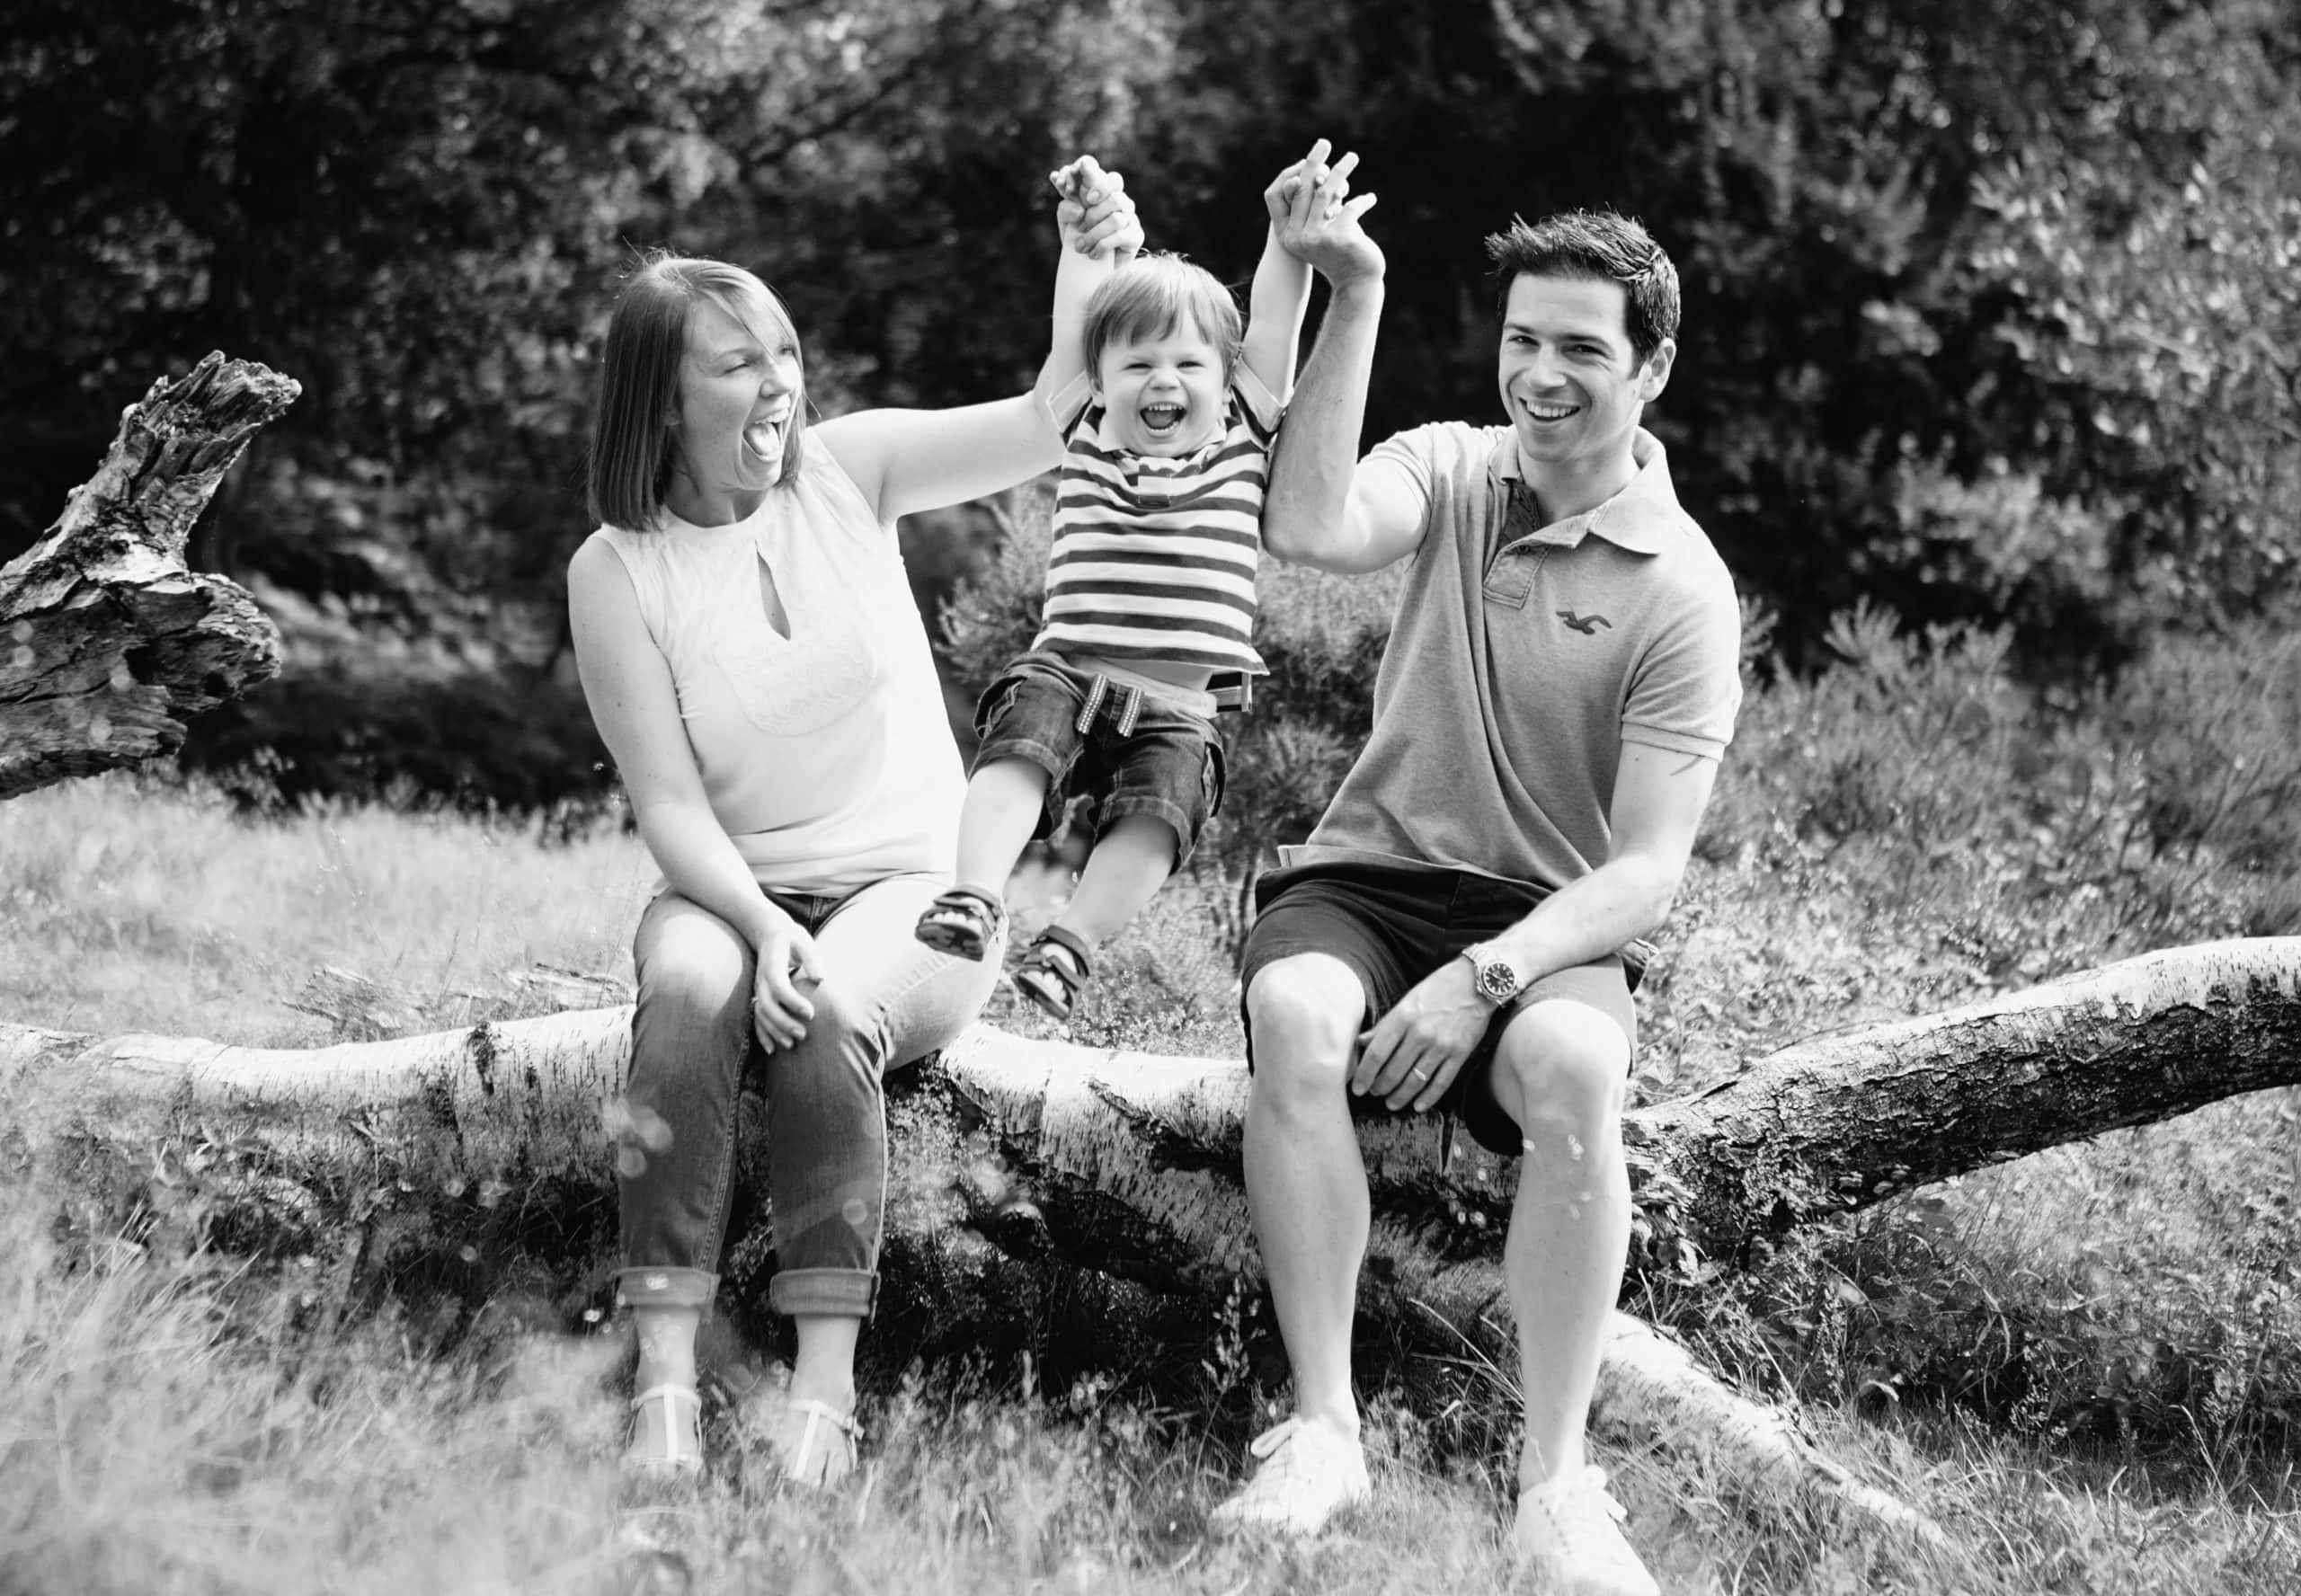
x,y
1150,296
632,447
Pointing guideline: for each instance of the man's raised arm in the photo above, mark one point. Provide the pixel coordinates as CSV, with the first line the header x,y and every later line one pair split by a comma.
x,y
1316,511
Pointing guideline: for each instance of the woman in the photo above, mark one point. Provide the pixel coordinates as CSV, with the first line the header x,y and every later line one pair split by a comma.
x,y
754,662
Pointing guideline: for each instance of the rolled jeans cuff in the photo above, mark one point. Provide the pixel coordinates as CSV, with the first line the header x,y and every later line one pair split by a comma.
x,y
641,1287
850,1291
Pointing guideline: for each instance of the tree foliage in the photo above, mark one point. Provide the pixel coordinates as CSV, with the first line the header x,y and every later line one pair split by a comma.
x,y
1990,311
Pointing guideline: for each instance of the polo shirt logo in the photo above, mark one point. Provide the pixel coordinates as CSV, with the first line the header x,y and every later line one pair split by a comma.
x,y
1588,624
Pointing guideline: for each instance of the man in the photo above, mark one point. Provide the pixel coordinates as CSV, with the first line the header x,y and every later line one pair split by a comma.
x,y
1560,684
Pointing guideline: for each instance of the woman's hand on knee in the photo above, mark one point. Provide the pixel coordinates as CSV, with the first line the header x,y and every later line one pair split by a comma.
x,y
780,1010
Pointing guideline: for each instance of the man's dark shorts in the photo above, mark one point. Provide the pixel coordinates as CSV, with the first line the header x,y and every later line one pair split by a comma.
x,y
1394,924
1168,766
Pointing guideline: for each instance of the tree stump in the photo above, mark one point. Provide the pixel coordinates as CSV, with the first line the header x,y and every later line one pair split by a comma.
x,y
108,643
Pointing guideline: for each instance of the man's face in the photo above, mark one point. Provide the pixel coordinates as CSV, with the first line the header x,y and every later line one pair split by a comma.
x,y
1570,384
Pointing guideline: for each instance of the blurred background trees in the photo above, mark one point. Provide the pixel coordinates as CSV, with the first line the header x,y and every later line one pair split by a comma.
x,y
1993,313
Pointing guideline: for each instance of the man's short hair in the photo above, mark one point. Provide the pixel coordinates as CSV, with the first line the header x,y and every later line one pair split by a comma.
x,y
1594,246
1153,295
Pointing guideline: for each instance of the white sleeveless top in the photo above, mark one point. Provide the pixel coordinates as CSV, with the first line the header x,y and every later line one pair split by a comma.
x,y
825,755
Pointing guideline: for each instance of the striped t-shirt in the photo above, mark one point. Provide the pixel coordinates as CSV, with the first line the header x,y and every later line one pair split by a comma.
x,y
1154,559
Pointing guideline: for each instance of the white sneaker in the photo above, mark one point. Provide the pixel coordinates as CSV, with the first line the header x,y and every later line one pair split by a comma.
x,y
1567,1531
1310,1473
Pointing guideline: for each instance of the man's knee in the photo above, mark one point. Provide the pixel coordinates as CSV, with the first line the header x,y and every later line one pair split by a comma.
x,y
1303,1014
1561,1062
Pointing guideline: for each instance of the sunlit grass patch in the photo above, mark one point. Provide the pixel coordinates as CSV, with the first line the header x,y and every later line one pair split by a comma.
x,y
137,905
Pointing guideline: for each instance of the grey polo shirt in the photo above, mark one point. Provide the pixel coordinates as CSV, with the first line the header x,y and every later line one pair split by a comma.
x,y
1521,657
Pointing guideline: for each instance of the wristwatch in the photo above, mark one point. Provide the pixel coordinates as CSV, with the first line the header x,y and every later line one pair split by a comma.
x,y
1498,980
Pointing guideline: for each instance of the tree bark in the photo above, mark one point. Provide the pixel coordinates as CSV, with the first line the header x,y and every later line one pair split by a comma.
x,y
107,643
1128,1164
1843,1120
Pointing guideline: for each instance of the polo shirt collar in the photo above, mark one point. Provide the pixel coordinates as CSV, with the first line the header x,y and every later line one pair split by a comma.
x,y
1637,518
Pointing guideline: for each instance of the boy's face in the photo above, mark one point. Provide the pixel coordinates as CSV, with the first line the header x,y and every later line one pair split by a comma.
x,y
1163,396
1571,382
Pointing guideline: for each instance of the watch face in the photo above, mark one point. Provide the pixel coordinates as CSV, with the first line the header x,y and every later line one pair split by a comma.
x,y
1497,980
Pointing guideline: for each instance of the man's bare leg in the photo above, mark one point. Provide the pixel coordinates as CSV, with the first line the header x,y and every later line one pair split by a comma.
x,y
1559,1073
1306,1183
1306,1189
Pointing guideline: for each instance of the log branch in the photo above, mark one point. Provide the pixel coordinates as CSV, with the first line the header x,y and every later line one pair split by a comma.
x,y
1128,1163
1825,1126
1843,1119
108,643
1037,1151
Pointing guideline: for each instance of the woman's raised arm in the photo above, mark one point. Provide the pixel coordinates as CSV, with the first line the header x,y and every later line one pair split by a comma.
x,y
910,460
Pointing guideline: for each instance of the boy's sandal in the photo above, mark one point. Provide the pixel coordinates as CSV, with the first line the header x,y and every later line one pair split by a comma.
x,y
682,1450
1052,969
812,1443
961,922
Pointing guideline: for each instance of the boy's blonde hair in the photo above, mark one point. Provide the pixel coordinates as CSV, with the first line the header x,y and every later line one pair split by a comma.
x,y
1153,295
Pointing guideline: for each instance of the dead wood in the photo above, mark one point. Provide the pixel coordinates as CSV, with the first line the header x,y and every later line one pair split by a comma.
x,y
108,643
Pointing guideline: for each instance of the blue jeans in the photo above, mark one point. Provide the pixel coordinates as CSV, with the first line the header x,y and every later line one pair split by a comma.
x,y
885,999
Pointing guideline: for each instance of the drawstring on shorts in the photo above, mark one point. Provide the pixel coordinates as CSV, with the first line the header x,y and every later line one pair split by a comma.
x,y
1126,703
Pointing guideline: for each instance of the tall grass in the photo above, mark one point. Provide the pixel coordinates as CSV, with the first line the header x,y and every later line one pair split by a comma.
x,y
132,904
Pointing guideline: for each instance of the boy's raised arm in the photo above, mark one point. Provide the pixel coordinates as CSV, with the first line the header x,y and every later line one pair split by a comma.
x,y
1276,305
1088,258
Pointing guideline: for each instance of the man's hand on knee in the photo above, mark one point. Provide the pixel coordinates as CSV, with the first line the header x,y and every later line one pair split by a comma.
x,y
1415,1052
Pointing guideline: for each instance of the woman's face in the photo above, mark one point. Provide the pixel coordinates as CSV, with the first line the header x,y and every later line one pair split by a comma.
x,y
739,394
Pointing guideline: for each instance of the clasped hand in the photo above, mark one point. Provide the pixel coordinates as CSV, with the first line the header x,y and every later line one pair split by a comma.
x,y
1316,216
1097,214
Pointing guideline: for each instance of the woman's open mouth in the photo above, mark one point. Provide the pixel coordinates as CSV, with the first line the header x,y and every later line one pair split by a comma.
x,y
765,439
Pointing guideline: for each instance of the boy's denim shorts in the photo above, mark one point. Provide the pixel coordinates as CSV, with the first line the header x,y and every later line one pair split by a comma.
x,y
1167,765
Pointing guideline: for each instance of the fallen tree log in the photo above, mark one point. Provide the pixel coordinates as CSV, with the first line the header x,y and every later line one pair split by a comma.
x,y
1127,1163
108,643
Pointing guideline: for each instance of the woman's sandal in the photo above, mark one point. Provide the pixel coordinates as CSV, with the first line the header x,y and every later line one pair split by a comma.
x,y
812,1443
682,1443
1054,970
961,922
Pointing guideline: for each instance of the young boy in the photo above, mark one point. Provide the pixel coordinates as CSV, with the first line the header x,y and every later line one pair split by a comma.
x,y
1150,597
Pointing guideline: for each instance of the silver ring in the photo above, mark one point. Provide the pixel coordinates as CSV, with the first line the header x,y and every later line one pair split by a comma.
x,y
1417,1074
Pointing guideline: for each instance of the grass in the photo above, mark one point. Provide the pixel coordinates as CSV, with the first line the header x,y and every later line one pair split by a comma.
x,y
133,905
2082,1364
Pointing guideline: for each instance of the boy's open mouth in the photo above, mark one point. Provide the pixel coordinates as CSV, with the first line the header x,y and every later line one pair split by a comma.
x,y
1161,417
